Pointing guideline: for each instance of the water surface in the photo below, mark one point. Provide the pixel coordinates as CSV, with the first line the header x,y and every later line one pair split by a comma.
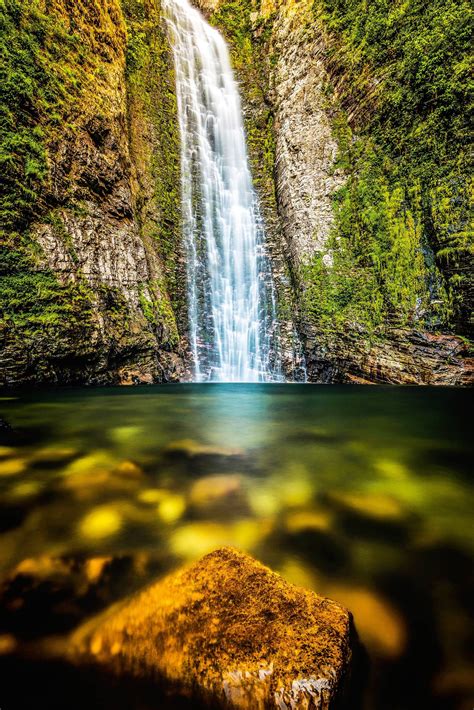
x,y
363,494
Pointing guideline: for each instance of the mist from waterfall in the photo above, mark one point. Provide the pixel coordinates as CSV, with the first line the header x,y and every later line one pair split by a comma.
x,y
231,302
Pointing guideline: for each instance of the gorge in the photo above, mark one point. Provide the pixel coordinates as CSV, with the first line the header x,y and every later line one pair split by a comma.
x,y
251,210
368,240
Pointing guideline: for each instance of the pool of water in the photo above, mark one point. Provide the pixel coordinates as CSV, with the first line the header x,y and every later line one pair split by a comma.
x,y
363,494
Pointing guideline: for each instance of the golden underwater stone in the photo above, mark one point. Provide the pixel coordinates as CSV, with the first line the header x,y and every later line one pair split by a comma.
x,y
229,631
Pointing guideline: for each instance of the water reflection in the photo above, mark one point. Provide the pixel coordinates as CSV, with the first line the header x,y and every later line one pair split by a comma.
x,y
362,494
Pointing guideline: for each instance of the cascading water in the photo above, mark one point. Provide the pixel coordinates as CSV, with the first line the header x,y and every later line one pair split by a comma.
x,y
233,328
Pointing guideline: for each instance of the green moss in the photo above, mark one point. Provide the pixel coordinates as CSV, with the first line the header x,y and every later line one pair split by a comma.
x,y
403,242
251,58
59,228
33,301
43,70
151,86
49,59
159,312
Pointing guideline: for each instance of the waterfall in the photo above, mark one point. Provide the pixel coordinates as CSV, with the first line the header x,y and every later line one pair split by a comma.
x,y
231,302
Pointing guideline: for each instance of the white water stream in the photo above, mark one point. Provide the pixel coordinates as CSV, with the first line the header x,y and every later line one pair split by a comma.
x,y
230,290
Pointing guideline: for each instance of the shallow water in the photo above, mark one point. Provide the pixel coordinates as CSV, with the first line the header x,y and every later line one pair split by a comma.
x,y
363,494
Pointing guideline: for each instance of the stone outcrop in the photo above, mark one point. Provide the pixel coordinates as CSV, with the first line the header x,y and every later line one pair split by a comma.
x,y
406,357
229,631
94,231
297,71
305,147
106,225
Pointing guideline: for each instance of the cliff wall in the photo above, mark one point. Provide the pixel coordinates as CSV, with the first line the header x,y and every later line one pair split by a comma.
x,y
370,182
90,248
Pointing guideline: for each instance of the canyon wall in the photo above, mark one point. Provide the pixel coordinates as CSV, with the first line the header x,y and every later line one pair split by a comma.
x,y
379,252
363,189
90,252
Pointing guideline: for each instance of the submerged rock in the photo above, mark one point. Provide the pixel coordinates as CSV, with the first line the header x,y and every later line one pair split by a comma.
x,y
202,459
52,595
227,630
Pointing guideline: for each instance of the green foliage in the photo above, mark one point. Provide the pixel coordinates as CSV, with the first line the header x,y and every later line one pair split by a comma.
x,y
402,219
412,59
159,312
32,298
41,70
151,87
48,59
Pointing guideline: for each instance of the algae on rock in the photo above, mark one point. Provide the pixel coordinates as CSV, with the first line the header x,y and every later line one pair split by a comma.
x,y
84,294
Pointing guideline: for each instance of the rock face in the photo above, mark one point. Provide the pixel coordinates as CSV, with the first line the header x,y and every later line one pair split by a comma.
x,y
305,147
231,632
101,298
92,231
293,78
406,358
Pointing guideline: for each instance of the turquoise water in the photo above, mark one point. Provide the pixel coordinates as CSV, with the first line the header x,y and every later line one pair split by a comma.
x,y
362,493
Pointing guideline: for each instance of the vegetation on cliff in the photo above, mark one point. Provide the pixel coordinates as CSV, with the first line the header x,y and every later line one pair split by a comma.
x,y
402,247
152,111
65,159
45,65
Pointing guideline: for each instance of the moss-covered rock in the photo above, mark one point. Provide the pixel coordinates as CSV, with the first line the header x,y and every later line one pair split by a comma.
x,y
229,630
84,293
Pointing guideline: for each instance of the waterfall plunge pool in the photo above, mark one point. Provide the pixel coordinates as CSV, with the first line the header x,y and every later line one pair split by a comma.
x,y
362,494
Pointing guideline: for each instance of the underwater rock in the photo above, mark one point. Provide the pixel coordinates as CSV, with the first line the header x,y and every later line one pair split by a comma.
x,y
171,508
200,458
228,630
12,467
129,469
102,522
201,537
372,515
300,520
211,488
376,506
47,595
52,457
380,625
219,496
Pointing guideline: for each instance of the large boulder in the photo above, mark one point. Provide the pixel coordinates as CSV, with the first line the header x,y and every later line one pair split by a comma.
x,y
228,631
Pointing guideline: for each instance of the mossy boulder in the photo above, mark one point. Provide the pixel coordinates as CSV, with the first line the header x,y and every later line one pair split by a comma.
x,y
229,631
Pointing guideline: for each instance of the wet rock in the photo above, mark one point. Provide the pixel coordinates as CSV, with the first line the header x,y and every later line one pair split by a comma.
x,y
152,496
198,459
171,508
377,506
102,522
219,496
46,595
198,538
212,488
129,469
308,520
12,467
400,357
53,456
229,630
371,515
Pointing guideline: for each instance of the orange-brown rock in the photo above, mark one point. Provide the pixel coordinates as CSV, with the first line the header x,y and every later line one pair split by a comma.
x,y
227,630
